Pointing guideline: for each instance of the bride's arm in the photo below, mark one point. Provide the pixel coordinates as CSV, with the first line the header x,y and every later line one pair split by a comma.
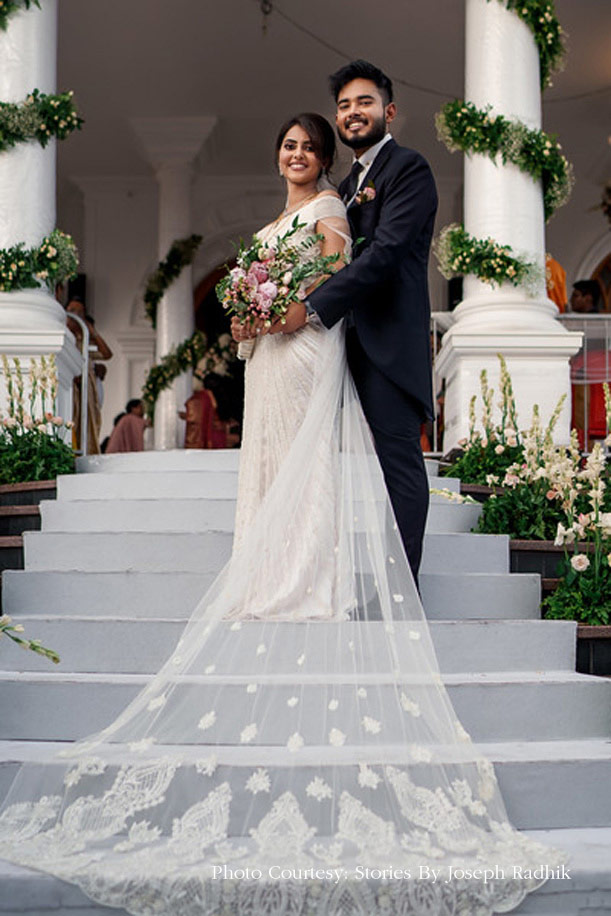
x,y
335,232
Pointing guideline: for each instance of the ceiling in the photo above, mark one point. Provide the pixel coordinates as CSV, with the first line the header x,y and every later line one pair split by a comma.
x,y
154,58
192,57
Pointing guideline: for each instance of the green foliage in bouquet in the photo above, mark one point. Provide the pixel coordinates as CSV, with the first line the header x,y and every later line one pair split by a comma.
x,y
31,435
267,280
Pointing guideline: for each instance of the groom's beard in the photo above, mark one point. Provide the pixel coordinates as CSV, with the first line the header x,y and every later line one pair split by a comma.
x,y
364,140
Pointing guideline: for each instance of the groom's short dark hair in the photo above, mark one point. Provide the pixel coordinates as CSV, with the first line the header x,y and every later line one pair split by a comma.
x,y
360,69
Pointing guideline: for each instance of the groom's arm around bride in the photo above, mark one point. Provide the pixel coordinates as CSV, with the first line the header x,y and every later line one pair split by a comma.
x,y
383,293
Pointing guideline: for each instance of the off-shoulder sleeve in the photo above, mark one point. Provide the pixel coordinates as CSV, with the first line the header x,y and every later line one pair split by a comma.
x,y
330,211
329,206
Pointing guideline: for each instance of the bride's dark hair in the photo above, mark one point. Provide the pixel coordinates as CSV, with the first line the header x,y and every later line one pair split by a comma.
x,y
318,130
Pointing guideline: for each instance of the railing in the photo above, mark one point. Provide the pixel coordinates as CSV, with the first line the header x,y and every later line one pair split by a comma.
x,y
589,369
84,381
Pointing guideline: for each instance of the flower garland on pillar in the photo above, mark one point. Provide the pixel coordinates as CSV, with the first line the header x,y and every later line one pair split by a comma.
x,y
462,126
183,357
540,17
9,7
180,255
53,262
39,118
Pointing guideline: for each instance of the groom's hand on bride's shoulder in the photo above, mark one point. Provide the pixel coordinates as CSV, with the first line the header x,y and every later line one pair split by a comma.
x,y
294,319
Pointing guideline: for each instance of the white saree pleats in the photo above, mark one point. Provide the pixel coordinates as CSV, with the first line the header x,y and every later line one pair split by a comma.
x,y
300,730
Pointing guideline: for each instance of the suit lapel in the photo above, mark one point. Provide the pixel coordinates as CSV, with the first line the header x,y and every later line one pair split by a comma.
x,y
377,165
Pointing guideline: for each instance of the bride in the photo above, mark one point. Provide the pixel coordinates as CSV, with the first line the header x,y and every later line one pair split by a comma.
x,y
298,753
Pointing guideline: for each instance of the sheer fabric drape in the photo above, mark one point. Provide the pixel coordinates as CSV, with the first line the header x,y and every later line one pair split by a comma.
x,y
298,752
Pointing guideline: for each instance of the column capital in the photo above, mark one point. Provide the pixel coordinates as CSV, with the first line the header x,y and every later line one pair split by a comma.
x,y
173,142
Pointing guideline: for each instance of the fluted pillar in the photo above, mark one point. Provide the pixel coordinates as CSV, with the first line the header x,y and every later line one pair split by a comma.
x,y
505,204
32,323
172,145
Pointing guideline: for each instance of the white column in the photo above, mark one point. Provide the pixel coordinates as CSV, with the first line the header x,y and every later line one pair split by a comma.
x,y
32,323
505,204
172,145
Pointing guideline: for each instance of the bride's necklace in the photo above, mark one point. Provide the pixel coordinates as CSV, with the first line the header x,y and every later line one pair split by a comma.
x,y
288,210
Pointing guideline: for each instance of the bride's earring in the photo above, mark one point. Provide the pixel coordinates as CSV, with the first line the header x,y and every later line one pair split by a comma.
x,y
280,172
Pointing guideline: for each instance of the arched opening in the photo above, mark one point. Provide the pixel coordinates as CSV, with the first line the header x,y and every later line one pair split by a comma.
x,y
211,318
602,274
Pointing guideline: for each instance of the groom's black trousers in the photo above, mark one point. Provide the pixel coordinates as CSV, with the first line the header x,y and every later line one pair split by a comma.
x,y
394,419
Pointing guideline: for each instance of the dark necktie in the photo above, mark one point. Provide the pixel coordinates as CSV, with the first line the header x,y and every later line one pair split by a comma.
x,y
352,181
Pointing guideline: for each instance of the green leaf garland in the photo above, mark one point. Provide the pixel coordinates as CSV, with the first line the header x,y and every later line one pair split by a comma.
x,y
40,117
540,17
462,126
53,262
459,253
182,358
9,7
180,255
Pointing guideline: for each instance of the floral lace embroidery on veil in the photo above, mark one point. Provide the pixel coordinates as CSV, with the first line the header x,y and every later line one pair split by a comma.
x,y
300,729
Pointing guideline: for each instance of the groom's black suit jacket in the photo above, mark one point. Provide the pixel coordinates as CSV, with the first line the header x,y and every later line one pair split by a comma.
x,y
386,285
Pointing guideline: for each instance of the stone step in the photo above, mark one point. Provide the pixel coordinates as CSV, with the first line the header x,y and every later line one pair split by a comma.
x,y
141,645
476,596
545,784
176,460
208,551
188,484
587,892
200,515
175,594
496,706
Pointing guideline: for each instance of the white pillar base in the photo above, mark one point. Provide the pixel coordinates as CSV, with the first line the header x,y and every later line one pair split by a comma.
x,y
32,324
538,363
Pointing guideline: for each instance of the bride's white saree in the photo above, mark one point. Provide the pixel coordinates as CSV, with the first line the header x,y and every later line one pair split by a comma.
x,y
298,753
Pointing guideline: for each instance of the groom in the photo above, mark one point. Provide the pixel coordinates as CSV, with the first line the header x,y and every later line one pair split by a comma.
x,y
383,294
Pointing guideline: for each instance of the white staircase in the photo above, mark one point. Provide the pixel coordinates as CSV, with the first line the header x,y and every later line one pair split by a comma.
x,y
129,547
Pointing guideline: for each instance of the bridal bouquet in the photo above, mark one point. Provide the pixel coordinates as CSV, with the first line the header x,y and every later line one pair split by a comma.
x,y
267,279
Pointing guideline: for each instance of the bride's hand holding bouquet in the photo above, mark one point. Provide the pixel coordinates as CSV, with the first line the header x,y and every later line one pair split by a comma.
x,y
268,279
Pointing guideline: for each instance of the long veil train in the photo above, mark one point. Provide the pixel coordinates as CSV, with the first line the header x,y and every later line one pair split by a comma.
x,y
297,753
281,765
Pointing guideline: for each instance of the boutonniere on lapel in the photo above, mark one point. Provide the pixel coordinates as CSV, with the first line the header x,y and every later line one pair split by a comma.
x,y
365,194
